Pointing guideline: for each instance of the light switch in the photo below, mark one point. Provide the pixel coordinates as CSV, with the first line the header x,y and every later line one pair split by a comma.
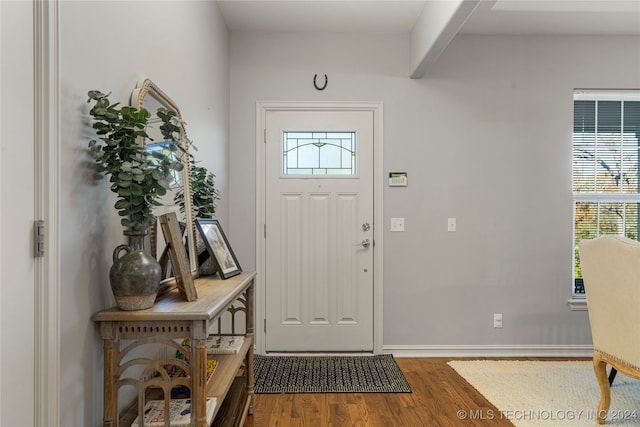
x,y
397,224
451,225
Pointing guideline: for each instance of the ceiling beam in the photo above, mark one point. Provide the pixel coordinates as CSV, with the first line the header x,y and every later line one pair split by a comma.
x,y
438,23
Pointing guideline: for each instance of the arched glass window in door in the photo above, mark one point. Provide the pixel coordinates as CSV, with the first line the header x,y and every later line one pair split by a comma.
x,y
319,153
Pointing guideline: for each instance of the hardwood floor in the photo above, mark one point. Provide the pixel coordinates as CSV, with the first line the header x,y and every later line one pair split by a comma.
x,y
439,394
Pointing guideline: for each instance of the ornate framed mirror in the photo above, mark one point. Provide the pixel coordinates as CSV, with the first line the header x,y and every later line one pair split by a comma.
x,y
150,97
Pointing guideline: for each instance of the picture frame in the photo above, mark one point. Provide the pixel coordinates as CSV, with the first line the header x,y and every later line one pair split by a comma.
x,y
218,247
178,255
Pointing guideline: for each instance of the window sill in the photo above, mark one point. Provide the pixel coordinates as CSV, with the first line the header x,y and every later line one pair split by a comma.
x,y
578,304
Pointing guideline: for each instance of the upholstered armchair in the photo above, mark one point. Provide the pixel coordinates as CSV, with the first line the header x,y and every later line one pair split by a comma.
x,y
611,273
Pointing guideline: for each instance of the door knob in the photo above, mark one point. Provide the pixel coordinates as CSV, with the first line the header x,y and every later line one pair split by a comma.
x,y
365,243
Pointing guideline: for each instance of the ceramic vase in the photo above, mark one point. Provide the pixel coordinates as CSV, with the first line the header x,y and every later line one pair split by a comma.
x,y
134,275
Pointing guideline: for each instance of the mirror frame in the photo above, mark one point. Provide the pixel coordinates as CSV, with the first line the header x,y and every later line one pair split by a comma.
x,y
148,88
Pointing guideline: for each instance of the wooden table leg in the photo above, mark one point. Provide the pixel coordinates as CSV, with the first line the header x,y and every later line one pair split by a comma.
x,y
250,331
110,388
199,378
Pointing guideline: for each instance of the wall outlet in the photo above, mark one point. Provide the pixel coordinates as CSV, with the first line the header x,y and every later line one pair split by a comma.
x,y
497,320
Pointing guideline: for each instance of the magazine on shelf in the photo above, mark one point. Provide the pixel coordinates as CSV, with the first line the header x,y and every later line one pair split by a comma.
x,y
224,344
179,412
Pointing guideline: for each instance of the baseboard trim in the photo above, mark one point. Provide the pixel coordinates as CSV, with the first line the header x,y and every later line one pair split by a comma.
x,y
489,350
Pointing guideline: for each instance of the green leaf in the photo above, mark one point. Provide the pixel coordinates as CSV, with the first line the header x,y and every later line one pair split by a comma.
x,y
164,184
122,204
124,192
136,190
137,200
96,95
125,176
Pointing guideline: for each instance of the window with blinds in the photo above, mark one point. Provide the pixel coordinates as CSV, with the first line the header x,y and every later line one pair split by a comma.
x,y
606,154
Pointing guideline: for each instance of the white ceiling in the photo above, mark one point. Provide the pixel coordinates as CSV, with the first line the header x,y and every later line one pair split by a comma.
x,y
579,17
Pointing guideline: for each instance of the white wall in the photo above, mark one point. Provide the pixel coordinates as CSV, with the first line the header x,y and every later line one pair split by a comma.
x,y
183,47
485,138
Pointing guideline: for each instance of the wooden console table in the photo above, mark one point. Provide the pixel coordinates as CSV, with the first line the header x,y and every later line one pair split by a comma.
x,y
130,335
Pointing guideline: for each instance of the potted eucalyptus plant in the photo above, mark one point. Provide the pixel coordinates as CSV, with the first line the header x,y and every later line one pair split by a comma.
x,y
139,178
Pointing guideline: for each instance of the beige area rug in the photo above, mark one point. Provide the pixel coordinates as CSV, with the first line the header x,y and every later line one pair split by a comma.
x,y
547,394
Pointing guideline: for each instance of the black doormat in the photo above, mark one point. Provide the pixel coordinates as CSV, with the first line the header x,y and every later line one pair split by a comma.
x,y
328,374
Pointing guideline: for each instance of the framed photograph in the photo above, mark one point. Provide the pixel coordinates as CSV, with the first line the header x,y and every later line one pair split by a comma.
x,y
218,247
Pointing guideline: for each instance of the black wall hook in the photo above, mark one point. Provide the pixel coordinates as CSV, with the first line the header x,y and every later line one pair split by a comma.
x,y
326,80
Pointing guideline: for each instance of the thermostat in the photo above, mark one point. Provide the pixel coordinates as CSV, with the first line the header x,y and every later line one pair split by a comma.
x,y
397,179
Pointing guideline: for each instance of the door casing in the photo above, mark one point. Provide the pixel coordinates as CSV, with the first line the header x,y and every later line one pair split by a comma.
x,y
262,107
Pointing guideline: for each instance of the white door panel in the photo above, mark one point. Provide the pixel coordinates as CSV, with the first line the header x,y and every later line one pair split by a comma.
x,y
319,278
17,208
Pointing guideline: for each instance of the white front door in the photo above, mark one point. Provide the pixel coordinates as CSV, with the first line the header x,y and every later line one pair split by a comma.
x,y
319,231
